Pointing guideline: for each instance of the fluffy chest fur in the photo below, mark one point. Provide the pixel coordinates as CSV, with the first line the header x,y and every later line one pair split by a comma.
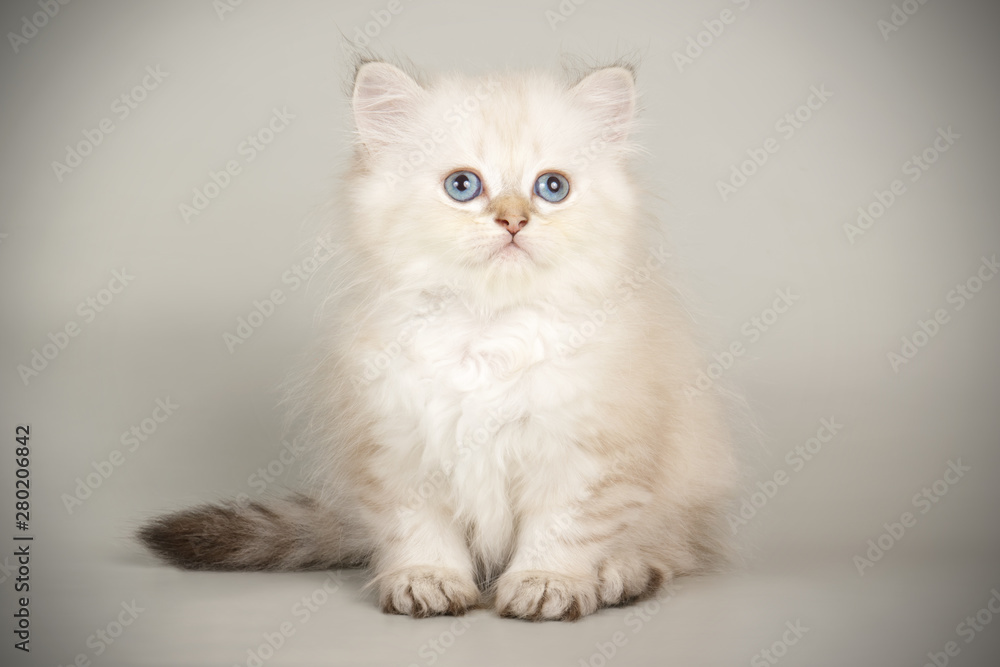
x,y
485,407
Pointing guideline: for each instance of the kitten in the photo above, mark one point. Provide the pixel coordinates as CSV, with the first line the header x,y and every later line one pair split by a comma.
x,y
503,410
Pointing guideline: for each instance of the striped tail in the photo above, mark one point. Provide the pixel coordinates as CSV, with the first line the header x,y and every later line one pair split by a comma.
x,y
293,533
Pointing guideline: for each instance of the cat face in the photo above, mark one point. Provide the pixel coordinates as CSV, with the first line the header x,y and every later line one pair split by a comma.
x,y
513,185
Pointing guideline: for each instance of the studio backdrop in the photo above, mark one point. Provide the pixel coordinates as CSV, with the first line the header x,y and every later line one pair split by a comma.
x,y
826,173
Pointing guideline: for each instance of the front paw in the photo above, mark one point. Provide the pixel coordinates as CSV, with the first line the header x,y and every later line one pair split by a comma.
x,y
626,580
536,595
427,591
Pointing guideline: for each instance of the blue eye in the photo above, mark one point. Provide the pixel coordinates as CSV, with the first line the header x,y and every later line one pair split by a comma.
x,y
552,187
463,186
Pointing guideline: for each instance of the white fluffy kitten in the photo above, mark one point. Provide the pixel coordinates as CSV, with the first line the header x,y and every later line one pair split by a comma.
x,y
502,409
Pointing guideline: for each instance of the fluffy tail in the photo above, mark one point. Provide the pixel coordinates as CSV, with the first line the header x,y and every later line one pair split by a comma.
x,y
293,533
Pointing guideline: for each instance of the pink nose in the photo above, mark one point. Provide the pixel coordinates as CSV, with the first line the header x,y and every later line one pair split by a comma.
x,y
512,223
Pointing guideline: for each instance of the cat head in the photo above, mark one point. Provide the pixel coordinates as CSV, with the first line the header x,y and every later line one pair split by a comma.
x,y
514,186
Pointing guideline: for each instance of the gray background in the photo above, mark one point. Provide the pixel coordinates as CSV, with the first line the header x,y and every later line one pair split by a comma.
x,y
826,357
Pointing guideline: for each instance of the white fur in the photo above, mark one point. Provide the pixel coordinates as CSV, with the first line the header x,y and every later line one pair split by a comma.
x,y
459,410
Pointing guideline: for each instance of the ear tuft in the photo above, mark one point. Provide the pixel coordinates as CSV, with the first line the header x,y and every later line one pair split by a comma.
x,y
609,94
384,102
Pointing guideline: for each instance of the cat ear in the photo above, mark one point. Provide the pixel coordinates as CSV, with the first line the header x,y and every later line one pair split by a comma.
x,y
609,94
385,99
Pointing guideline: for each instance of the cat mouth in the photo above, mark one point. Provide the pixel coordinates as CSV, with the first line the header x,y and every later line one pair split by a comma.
x,y
511,250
